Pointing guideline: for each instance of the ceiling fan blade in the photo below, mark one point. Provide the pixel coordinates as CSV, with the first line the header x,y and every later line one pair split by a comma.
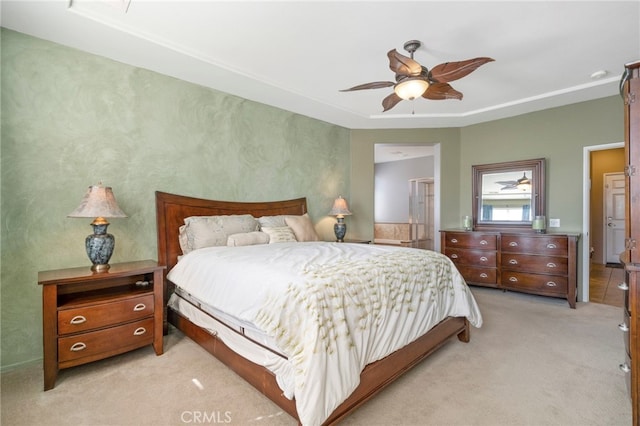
x,y
390,101
373,85
450,71
403,65
441,91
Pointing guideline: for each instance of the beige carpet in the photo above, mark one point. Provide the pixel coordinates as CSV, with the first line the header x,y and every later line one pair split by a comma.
x,y
534,362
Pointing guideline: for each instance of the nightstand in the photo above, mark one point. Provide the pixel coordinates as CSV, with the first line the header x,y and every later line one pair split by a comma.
x,y
87,316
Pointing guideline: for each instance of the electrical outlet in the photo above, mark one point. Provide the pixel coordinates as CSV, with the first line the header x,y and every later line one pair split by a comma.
x,y
554,223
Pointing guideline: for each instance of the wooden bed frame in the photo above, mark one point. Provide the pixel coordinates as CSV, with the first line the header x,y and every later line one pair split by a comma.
x,y
171,210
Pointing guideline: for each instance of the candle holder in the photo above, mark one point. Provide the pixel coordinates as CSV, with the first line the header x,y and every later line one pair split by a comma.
x,y
539,224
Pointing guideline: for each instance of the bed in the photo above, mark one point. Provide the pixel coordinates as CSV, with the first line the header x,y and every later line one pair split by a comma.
x,y
171,212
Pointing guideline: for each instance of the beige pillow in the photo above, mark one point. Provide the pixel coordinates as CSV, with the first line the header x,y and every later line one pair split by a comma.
x,y
248,239
302,227
279,234
272,221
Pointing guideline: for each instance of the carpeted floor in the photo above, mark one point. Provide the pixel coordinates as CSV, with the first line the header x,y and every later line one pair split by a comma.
x,y
534,362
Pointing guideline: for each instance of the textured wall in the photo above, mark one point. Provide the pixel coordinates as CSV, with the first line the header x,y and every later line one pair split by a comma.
x,y
71,119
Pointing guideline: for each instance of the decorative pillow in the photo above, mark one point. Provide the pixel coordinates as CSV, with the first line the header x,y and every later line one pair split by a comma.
x,y
302,227
279,234
209,231
272,221
247,239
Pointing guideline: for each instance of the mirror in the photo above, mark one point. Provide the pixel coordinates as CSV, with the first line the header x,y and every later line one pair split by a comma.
x,y
508,195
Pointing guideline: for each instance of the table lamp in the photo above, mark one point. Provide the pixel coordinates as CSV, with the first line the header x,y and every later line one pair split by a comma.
x,y
99,203
340,209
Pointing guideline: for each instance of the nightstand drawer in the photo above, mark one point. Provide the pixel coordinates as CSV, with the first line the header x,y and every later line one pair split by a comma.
x,y
107,341
104,314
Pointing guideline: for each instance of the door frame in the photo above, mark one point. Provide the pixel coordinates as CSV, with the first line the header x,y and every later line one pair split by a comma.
x,y
583,288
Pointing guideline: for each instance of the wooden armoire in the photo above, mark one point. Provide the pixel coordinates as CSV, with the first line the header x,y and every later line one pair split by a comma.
x,y
630,91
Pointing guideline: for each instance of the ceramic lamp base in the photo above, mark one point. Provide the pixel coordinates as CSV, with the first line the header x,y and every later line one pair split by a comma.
x,y
99,247
340,229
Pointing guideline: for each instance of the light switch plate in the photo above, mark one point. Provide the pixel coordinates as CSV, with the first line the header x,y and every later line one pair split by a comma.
x,y
554,223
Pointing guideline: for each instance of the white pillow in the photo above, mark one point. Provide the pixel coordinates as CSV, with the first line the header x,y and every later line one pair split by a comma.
x,y
272,221
247,239
302,227
209,231
280,234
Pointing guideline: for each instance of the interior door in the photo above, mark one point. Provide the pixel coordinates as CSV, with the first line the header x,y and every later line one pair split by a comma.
x,y
421,209
614,215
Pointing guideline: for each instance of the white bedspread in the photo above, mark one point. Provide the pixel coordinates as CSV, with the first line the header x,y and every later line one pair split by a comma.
x,y
332,308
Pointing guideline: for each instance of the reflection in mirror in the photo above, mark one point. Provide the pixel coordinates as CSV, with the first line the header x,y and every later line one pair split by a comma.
x,y
508,195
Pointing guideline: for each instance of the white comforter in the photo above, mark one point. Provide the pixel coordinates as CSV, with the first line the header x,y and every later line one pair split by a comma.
x,y
332,308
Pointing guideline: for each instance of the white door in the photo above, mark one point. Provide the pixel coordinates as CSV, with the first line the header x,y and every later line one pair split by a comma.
x,y
421,224
614,213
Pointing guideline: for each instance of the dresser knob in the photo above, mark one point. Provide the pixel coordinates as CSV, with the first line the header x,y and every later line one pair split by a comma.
x,y
483,275
483,242
454,240
77,347
513,244
551,246
139,331
622,326
551,265
78,319
625,368
551,284
623,286
483,259
513,262
454,256
513,279
139,307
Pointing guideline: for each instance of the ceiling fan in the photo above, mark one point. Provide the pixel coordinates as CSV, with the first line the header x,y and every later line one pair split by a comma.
x,y
522,184
414,80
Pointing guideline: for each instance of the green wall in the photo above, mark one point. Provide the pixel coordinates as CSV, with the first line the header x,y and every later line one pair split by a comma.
x,y
71,119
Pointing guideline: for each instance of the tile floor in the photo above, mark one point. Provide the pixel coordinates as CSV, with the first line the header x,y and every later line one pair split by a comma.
x,y
603,285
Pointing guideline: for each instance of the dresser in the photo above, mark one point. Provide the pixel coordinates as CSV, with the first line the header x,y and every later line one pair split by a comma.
x,y
87,315
630,326
542,264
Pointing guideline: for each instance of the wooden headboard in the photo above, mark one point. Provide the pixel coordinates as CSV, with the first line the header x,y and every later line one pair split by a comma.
x,y
172,209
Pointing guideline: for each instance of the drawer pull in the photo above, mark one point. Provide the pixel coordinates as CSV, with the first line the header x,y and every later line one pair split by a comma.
x,y
139,331
513,279
513,244
623,286
484,275
454,256
77,347
139,307
483,259
78,319
551,246
454,240
551,265
513,262
625,368
483,242
623,327
551,284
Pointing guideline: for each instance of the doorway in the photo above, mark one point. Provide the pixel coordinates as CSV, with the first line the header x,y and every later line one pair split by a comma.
x,y
597,160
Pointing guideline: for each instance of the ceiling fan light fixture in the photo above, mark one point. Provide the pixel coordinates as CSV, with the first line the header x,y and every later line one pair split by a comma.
x,y
523,183
411,88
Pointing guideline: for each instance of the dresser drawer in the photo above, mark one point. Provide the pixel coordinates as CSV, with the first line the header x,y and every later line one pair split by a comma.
x,y
542,245
538,264
108,341
471,240
535,283
483,258
478,275
100,315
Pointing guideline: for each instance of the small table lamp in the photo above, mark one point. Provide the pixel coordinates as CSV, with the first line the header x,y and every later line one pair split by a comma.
x,y
100,203
340,209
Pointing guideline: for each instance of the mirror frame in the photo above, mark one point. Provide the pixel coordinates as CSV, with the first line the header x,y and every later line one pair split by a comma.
x,y
537,166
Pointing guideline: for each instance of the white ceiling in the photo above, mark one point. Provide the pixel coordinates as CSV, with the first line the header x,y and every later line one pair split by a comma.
x,y
296,55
